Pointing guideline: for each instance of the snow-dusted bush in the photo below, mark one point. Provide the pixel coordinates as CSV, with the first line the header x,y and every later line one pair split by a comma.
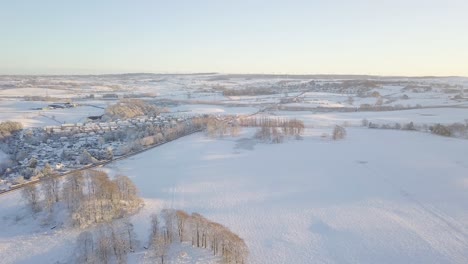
x,y
28,173
441,130
365,122
87,158
409,126
8,127
339,132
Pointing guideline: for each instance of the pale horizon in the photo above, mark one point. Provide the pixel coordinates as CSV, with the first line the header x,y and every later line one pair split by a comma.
x,y
421,38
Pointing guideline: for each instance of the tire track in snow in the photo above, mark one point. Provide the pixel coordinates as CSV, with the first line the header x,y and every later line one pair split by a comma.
x,y
453,226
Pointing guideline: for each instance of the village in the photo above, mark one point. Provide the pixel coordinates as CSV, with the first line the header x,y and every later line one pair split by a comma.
x,y
35,152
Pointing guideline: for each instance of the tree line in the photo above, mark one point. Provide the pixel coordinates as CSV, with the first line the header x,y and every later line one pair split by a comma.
x,y
274,130
457,130
112,242
216,126
177,226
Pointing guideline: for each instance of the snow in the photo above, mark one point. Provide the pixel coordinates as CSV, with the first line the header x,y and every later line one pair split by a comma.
x,y
22,111
418,116
384,203
360,200
213,109
20,92
3,156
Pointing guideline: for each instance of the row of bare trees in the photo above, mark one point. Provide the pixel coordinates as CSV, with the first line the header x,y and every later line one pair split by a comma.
x,y
289,127
457,130
178,226
274,130
270,134
249,91
218,127
91,196
107,243
221,128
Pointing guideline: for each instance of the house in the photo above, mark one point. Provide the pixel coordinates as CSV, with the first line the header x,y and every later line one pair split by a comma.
x,y
94,118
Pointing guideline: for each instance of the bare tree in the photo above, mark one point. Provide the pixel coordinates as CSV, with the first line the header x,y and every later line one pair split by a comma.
x,y
160,247
132,238
85,251
127,189
169,217
120,243
51,191
158,242
31,195
339,132
182,218
104,244
72,190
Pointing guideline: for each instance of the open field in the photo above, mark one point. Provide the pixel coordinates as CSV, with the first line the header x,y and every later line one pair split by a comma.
x,y
360,200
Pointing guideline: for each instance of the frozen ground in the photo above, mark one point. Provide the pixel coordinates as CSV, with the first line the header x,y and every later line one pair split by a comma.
x,y
213,109
361,200
20,92
418,116
22,111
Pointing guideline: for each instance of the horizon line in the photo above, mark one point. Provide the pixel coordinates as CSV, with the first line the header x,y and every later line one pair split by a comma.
x,y
240,74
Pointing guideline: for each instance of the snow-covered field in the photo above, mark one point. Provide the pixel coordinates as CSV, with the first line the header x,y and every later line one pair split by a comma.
x,y
426,116
213,109
360,200
24,112
20,92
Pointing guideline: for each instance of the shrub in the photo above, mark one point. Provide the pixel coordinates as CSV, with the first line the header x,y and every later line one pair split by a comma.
x,y
441,130
339,132
365,122
8,127
409,126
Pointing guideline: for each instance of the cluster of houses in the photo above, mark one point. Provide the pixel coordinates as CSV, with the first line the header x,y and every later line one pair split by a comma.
x,y
71,146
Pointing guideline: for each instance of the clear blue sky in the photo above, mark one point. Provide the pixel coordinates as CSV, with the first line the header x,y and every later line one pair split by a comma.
x,y
391,37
